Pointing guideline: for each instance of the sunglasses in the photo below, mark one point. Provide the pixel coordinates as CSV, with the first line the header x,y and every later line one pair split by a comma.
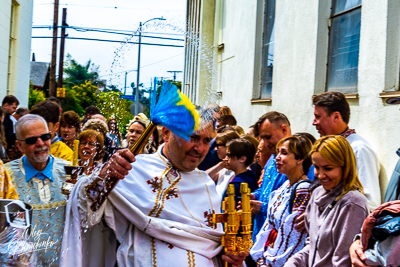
x,y
218,145
32,140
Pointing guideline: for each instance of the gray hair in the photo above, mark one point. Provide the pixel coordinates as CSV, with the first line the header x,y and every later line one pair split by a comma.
x,y
205,117
25,121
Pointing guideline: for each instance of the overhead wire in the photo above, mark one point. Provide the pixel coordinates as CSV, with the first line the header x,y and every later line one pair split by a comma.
x,y
113,7
105,40
121,32
142,66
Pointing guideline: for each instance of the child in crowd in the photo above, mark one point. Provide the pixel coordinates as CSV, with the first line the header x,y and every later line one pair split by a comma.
x,y
239,155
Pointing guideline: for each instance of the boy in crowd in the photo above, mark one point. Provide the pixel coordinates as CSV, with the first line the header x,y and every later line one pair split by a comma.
x,y
239,155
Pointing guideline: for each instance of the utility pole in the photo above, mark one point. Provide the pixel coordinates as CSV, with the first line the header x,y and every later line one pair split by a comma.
x,y
52,85
138,72
175,72
138,64
126,74
62,47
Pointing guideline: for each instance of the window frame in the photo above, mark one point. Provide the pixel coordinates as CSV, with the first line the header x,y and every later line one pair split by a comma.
x,y
263,51
328,62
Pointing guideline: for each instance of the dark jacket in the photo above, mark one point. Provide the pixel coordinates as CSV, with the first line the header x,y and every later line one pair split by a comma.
x,y
211,158
9,131
244,177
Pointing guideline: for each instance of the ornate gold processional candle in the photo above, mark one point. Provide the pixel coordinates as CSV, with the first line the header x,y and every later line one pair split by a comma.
x,y
76,151
232,219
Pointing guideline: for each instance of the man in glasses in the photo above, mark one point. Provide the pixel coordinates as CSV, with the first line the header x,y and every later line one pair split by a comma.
x,y
37,178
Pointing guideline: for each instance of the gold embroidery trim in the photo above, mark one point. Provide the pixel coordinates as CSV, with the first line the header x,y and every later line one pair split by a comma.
x,y
153,251
49,205
189,259
194,264
158,194
165,194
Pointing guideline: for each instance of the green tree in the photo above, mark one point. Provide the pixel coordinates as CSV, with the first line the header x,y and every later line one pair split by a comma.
x,y
71,102
35,96
87,93
110,88
77,74
111,105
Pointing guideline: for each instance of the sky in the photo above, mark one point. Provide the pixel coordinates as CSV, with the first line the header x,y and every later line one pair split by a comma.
x,y
114,59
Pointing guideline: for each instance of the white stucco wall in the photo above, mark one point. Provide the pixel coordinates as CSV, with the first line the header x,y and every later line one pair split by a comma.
x,y
19,82
4,42
301,51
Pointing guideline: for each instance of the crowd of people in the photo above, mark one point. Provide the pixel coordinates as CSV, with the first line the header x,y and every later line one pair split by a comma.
x,y
315,202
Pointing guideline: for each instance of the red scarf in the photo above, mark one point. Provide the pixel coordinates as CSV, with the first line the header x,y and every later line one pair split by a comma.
x,y
348,132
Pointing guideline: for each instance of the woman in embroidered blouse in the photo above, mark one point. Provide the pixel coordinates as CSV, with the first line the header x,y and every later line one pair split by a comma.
x,y
91,150
278,240
337,208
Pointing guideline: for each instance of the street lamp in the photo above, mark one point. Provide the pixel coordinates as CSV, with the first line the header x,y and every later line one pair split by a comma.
x,y
126,73
138,64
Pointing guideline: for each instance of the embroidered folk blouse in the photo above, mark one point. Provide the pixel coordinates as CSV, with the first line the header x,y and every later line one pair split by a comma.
x,y
279,222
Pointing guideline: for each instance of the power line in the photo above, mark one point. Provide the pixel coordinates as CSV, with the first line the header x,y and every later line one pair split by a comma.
x,y
175,72
107,31
141,67
114,30
105,40
113,7
165,78
162,60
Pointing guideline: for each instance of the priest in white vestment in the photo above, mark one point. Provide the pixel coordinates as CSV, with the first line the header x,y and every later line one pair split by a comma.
x,y
156,213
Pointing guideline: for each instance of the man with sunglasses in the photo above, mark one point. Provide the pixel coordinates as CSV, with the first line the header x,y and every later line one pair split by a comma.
x,y
36,178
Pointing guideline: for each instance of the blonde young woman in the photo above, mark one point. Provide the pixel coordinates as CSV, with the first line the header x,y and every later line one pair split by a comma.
x,y
337,208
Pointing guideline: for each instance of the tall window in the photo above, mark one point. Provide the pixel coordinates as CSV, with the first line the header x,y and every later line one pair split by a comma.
x,y
268,48
344,46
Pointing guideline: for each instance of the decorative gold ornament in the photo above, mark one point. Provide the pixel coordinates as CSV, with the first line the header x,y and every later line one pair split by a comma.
x,y
232,220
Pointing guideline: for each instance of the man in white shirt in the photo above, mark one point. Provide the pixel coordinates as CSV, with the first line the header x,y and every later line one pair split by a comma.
x,y
331,117
17,115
